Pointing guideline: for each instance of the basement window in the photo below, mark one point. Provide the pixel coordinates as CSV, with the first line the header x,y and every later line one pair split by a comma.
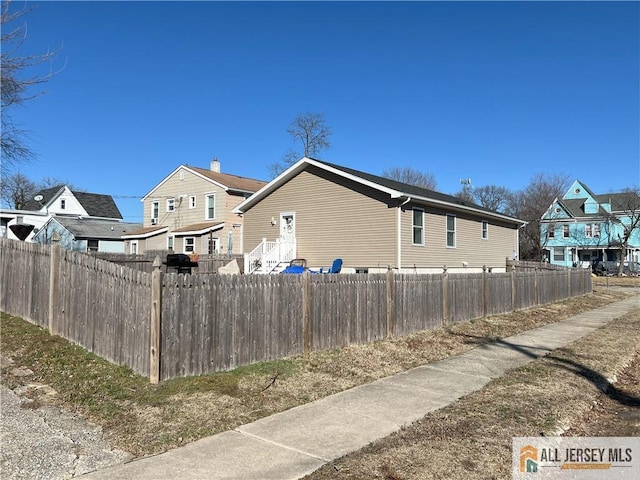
x,y
92,245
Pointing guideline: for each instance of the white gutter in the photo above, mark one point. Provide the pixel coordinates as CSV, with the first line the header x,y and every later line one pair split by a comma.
x,y
399,233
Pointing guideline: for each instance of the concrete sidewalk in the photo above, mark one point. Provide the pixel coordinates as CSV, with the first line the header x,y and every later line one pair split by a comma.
x,y
296,442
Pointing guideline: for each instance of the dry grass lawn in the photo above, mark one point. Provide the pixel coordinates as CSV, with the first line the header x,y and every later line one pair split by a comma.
x,y
144,419
559,394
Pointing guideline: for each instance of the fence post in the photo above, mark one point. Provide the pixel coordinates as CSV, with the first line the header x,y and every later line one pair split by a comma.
x,y
390,303
513,289
485,292
536,287
569,283
156,317
54,282
445,296
306,312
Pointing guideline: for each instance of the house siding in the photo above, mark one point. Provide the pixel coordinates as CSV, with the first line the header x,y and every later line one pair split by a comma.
x,y
181,190
192,185
470,247
334,217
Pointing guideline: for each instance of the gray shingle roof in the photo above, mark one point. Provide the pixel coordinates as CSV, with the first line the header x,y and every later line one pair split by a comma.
x,y
47,195
96,204
96,228
620,202
405,188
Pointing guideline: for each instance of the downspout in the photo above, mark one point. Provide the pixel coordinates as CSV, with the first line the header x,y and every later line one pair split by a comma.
x,y
399,233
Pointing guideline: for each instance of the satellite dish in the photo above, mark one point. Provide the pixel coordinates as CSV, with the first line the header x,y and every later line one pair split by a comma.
x,y
38,198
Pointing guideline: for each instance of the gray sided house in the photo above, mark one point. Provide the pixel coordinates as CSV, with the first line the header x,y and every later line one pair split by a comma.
x,y
85,234
190,211
317,211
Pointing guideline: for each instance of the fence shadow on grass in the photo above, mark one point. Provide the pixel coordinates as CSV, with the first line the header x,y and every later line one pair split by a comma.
x,y
596,378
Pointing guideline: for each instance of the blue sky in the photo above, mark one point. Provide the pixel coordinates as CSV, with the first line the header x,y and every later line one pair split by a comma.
x,y
493,91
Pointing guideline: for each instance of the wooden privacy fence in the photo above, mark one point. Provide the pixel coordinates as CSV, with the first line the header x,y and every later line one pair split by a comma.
x,y
169,325
99,305
144,262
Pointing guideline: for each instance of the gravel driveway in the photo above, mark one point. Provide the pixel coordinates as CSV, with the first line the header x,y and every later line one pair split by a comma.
x,y
44,442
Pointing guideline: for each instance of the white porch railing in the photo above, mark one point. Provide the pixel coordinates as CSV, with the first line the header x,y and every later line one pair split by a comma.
x,y
268,255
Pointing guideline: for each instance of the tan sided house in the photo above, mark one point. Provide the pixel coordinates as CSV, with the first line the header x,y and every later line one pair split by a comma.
x,y
317,211
190,211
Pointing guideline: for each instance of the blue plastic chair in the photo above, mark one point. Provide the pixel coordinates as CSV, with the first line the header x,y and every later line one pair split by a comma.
x,y
335,267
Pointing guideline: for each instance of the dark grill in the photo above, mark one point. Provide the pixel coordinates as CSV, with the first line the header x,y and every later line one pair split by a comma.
x,y
180,262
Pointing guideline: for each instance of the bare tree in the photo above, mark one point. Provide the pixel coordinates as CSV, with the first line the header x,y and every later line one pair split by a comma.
x,y
411,176
16,190
623,222
530,204
310,134
492,197
51,182
15,87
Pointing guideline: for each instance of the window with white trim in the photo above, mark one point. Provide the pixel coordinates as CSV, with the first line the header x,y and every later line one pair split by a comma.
x,y
551,231
558,254
155,210
592,230
451,231
170,240
189,244
485,230
171,204
565,231
210,207
133,247
192,201
418,226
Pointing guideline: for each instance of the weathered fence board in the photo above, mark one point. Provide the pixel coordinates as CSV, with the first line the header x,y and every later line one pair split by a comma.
x,y
25,281
465,297
418,303
499,286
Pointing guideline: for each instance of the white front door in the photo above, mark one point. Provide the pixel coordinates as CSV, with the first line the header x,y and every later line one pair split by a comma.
x,y
288,226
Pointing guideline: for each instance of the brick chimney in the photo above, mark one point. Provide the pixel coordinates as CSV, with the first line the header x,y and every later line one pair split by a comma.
x,y
215,165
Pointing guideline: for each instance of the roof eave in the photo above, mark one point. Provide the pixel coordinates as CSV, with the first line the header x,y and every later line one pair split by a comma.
x,y
393,193
297,168
152,233
467,208
200,231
